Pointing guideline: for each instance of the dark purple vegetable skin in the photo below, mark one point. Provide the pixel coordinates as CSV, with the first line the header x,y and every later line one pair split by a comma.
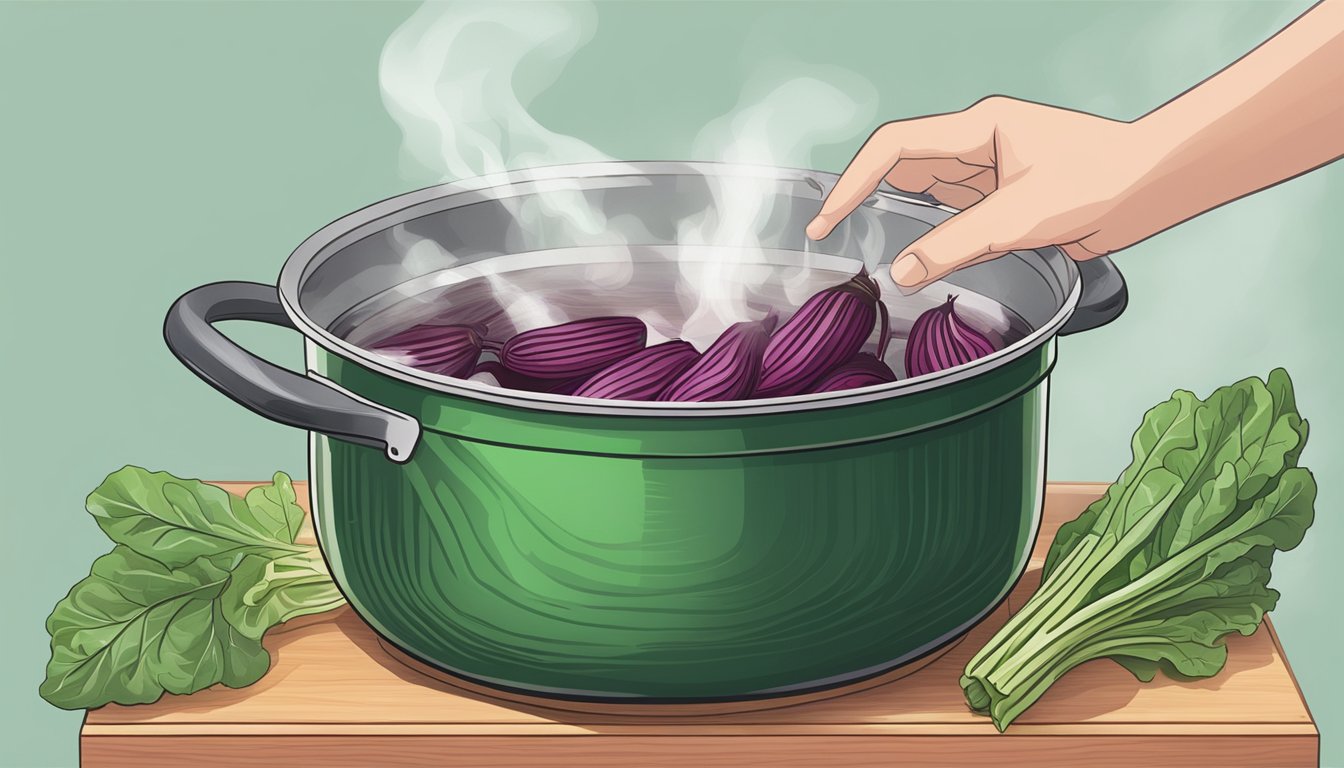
x,y
448,350
827,330
643,375
605,358
862,370
576,348
514,380
729,370
940,339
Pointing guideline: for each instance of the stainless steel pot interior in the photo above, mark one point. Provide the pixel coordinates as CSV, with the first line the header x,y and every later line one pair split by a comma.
x,y
419,243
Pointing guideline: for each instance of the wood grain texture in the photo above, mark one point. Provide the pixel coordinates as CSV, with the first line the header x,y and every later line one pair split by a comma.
x,y
705,751
336,697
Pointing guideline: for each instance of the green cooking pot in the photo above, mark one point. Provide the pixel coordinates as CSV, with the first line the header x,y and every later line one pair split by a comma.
x,y
651,552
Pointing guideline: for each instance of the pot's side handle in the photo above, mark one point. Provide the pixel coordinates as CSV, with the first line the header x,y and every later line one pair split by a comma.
x,y
1104,296
274,392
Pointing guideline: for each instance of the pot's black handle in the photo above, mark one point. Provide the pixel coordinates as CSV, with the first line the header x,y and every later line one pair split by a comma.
x,y
1104,296
277,393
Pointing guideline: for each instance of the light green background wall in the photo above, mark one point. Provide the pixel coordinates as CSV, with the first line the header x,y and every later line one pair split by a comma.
x,y
146,148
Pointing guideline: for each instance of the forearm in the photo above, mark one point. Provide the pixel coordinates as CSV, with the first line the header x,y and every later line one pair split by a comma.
x,y
1276,113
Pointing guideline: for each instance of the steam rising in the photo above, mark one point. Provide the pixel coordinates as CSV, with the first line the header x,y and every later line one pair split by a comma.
x,y
451,78
448,78
778,124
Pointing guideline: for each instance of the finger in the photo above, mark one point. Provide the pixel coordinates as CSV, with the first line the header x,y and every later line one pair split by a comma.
x,y
955,134
984,230
1078,252
874,159
984,181
914,175
955,195
918,175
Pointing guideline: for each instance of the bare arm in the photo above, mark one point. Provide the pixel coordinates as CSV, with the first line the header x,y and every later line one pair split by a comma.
x,y
1274,114
1030,175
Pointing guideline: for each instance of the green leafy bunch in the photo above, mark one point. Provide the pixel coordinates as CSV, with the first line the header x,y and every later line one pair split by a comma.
x,y
1172,559
196,577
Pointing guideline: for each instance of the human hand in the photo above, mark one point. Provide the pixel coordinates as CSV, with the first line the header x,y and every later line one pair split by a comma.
x,y
1026,176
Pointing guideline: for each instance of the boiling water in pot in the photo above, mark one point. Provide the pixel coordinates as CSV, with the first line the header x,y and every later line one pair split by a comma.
x,y
684,292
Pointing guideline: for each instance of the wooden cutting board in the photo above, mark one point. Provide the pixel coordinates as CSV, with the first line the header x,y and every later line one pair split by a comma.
x,y
336,697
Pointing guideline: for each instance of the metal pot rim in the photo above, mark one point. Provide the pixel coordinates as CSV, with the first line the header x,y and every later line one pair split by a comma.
x,y
318,246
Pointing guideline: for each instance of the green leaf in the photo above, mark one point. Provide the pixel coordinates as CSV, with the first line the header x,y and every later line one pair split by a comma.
x,y
136,628
267,592
1278,520
1281,388
276,509
1217,500
1166,428
1230,427
175,521
1177,659
1145,670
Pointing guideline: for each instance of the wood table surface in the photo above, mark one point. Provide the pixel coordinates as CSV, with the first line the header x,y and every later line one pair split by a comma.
x,y
335,697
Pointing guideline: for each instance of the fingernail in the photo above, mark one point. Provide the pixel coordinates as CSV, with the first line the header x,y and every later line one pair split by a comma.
x,y
908,270
816,228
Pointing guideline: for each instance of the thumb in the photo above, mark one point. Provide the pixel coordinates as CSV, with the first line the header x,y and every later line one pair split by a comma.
x,y
984,231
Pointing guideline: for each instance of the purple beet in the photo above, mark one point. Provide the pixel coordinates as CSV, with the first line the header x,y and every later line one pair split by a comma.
x,y
827,330
576,348
729,370
862,370
448,350
643,375
940,339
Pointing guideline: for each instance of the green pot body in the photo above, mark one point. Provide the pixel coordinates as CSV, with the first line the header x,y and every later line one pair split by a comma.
x,y
684,559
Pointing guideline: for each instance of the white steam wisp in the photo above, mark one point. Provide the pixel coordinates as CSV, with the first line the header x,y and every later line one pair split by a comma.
x,y
458,77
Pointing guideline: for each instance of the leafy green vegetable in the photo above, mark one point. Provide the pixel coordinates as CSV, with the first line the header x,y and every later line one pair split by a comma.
x,y
136,628
196,578
176,521
1172,559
